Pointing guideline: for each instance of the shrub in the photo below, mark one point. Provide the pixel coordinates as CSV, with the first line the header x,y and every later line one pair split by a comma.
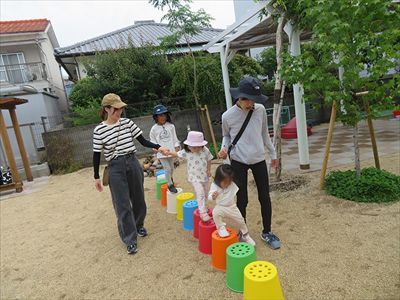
x,y
373,185
60,156
212,150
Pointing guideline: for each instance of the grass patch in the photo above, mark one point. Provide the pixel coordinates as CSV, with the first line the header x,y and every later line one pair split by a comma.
x,y
373,185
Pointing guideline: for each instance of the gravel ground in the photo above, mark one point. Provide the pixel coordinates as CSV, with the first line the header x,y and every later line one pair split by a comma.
x,y
61,242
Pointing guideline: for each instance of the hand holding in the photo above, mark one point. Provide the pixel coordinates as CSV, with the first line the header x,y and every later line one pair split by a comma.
x,y
164,151
222,153
214,195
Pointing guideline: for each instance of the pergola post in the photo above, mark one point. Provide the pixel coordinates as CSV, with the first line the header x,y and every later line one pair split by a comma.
x,y
17,183
299,105
21,145
226,56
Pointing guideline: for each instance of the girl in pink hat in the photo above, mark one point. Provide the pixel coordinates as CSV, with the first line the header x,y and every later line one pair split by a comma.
x,y
198,168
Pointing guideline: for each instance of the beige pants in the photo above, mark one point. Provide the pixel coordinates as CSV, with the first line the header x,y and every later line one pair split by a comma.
x,y
232,213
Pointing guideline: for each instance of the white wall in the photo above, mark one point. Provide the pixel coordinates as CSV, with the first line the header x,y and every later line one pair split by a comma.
x,y
38,47
54,73
38,105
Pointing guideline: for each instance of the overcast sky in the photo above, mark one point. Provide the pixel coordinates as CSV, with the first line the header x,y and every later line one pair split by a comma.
x,y
75,21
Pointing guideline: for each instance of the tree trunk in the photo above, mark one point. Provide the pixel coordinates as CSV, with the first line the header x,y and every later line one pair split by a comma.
x,y
357,165
279,60
277,141
279,91
195,92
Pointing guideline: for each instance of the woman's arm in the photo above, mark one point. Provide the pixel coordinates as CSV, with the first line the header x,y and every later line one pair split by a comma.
x,y
96,164
147,143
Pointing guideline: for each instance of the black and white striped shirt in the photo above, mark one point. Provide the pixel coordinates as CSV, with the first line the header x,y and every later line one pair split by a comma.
x,y
105,138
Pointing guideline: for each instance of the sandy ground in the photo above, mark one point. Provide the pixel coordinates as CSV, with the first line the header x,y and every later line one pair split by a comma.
x,y
62,242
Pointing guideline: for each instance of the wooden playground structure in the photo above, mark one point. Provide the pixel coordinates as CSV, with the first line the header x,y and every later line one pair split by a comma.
x,y
10,105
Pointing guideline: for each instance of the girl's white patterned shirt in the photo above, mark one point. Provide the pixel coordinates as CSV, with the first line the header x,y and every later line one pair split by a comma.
x,y
197,164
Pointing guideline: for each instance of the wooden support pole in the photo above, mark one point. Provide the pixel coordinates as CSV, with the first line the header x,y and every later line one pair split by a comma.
x,y
9,154
21,145
372,134
328,146
211,130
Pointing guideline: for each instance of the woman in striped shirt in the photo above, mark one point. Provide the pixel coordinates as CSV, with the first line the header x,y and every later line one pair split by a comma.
x,y
114,137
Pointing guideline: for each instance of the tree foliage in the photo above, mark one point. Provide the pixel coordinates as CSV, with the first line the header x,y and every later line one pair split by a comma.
x,y
360,36
184,23
136,74
210,83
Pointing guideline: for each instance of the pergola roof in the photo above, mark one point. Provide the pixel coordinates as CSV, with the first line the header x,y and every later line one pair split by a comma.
x,y
252,31
7,103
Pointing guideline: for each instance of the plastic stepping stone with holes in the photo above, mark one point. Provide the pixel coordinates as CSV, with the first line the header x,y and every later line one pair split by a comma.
x,y
171,201
238,256
159,183
261,281
196,219
188,210
180,199
160,174
205,232
164,189
218,247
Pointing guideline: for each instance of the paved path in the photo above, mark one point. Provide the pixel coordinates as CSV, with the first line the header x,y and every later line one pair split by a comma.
x,y
387,134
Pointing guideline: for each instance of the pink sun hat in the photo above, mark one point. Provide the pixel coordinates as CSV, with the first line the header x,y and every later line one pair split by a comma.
x,y
195,139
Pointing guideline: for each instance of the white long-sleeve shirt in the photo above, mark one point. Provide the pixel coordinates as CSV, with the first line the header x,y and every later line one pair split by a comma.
x,y
165,136
226,197
250,149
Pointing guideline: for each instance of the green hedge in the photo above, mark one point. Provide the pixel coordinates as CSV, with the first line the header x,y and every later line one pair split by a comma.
x,y
373,185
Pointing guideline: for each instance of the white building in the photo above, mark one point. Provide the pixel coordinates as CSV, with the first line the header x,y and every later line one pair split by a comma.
x,y
29,70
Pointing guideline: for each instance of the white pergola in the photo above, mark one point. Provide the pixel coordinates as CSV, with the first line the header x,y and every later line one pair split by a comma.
x,y
253,31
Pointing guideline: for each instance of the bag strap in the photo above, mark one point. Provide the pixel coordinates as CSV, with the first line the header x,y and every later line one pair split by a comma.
x,y
242,129
116,143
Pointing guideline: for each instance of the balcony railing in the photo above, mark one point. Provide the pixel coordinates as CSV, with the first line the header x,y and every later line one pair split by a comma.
x,y
22,73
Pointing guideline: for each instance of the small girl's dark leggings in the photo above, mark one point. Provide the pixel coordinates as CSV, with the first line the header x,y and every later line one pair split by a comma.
x,y
127,192
260,174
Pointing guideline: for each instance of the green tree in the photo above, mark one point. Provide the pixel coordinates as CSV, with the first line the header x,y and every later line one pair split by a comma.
x,y
136,74
360,38
267,60
210,83
184,23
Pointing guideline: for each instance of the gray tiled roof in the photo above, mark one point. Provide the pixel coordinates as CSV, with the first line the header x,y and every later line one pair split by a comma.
x,y
145,32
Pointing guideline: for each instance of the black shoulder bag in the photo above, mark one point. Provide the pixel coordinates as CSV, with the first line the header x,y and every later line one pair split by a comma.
x,y
239,135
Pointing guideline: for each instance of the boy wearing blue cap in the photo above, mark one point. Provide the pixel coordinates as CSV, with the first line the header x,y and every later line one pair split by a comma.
x,y
164,134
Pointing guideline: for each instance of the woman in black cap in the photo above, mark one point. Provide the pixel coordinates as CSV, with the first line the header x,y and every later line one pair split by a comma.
x,y
245,137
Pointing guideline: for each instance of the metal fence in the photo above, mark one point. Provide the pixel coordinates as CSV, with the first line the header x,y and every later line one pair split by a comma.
x,y
47,123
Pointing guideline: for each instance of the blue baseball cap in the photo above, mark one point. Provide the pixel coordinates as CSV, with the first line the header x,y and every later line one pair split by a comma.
x,y
159,109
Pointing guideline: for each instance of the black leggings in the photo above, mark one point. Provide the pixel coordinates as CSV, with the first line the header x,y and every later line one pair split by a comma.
x,y
260,174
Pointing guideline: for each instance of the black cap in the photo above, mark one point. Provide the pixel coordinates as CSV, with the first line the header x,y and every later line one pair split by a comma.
x,y
249,88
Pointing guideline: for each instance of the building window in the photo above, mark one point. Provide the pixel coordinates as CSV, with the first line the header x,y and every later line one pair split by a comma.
x,y
13,68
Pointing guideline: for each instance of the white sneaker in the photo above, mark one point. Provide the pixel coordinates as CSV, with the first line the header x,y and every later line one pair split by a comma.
x,y
247,239
223,232
205,217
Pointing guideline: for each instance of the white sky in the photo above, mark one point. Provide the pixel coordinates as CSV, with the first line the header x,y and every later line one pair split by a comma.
x,y
75,21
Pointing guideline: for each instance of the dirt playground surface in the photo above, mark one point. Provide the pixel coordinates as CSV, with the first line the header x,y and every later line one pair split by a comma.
x,y
62,242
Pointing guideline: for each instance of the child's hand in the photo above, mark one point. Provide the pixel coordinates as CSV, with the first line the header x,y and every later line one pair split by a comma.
x,y
164,151
209,173
214,195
